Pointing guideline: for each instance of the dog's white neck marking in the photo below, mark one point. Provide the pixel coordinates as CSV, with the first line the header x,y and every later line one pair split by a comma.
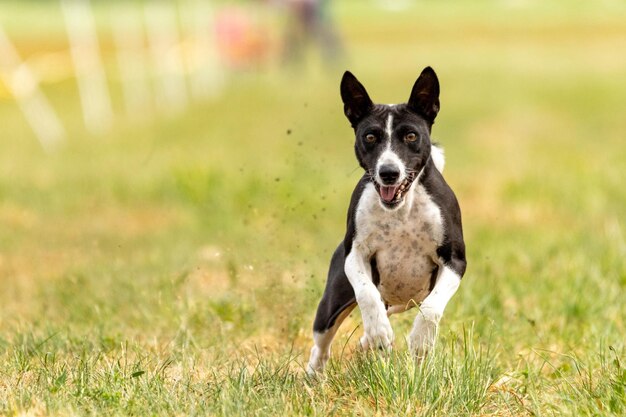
x,y
417,218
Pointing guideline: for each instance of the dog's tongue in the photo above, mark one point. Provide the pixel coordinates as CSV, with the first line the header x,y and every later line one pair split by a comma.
x,y
388,193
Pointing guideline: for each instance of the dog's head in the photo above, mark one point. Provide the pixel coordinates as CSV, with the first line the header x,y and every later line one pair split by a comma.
x,y
392,141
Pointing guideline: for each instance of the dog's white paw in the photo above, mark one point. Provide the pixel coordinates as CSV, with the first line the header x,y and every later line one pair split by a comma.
x,y
317,361
378,335
423,335
377,331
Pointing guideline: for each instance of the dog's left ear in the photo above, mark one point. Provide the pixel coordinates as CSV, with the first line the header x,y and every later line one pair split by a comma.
x,y
425,95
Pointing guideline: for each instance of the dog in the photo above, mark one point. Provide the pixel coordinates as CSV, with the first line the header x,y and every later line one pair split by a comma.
x,y
404,244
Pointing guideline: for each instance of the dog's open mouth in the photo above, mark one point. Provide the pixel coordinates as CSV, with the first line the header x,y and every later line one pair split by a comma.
x,y
392,195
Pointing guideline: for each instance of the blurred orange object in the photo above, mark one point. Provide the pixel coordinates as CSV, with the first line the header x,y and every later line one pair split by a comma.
x,y
241,40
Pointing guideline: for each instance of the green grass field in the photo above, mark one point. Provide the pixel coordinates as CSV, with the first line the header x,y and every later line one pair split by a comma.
x,y
173,266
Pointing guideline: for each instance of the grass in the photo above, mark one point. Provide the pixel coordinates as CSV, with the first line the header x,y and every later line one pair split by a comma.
x,y
172,266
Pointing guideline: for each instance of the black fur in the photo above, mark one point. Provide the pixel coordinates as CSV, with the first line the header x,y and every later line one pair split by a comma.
x,y
415,153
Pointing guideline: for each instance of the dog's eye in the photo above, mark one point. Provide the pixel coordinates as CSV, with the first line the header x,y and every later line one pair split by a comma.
x,y
410,137
370,138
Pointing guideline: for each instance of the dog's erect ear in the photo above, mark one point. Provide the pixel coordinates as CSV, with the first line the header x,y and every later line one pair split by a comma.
x,y
356,102
425,95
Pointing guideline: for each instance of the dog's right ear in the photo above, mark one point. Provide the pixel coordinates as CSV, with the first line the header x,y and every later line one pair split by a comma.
x,y
356,102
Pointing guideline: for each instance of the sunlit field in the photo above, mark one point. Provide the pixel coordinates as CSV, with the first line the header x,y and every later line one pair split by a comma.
x,y
172,266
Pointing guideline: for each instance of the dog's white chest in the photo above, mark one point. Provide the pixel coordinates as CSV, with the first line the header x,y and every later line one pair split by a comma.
x,y
403,242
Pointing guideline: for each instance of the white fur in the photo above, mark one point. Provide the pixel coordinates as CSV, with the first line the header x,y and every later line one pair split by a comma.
x,y
404,241
389,126
424,333
377,329
438,156
320,352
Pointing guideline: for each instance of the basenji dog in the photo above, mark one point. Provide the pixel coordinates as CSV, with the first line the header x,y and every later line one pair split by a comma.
x,y
403,245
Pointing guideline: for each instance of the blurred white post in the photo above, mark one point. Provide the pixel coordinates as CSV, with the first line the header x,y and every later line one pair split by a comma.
x,y
24,86
206,75
161,22
129,43
92,84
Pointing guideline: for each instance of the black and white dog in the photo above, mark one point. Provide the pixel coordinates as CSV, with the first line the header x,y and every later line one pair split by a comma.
x,y
404,241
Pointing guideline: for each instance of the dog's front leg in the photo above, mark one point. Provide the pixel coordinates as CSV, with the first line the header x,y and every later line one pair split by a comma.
x,y
377,329
424,333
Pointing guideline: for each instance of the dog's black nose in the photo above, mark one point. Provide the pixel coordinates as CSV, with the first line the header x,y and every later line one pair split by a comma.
x,y
389,174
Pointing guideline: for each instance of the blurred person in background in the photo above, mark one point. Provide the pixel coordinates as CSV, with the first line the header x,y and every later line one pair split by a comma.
x,y
309,22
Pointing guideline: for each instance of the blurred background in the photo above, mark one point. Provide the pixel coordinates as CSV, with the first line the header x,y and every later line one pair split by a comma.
x,y
178,173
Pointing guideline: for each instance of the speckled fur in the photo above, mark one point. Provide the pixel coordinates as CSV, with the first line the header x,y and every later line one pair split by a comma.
x,y
404,243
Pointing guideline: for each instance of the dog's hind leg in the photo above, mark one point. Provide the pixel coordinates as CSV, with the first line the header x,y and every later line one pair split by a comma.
x,y
320,352
336,304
